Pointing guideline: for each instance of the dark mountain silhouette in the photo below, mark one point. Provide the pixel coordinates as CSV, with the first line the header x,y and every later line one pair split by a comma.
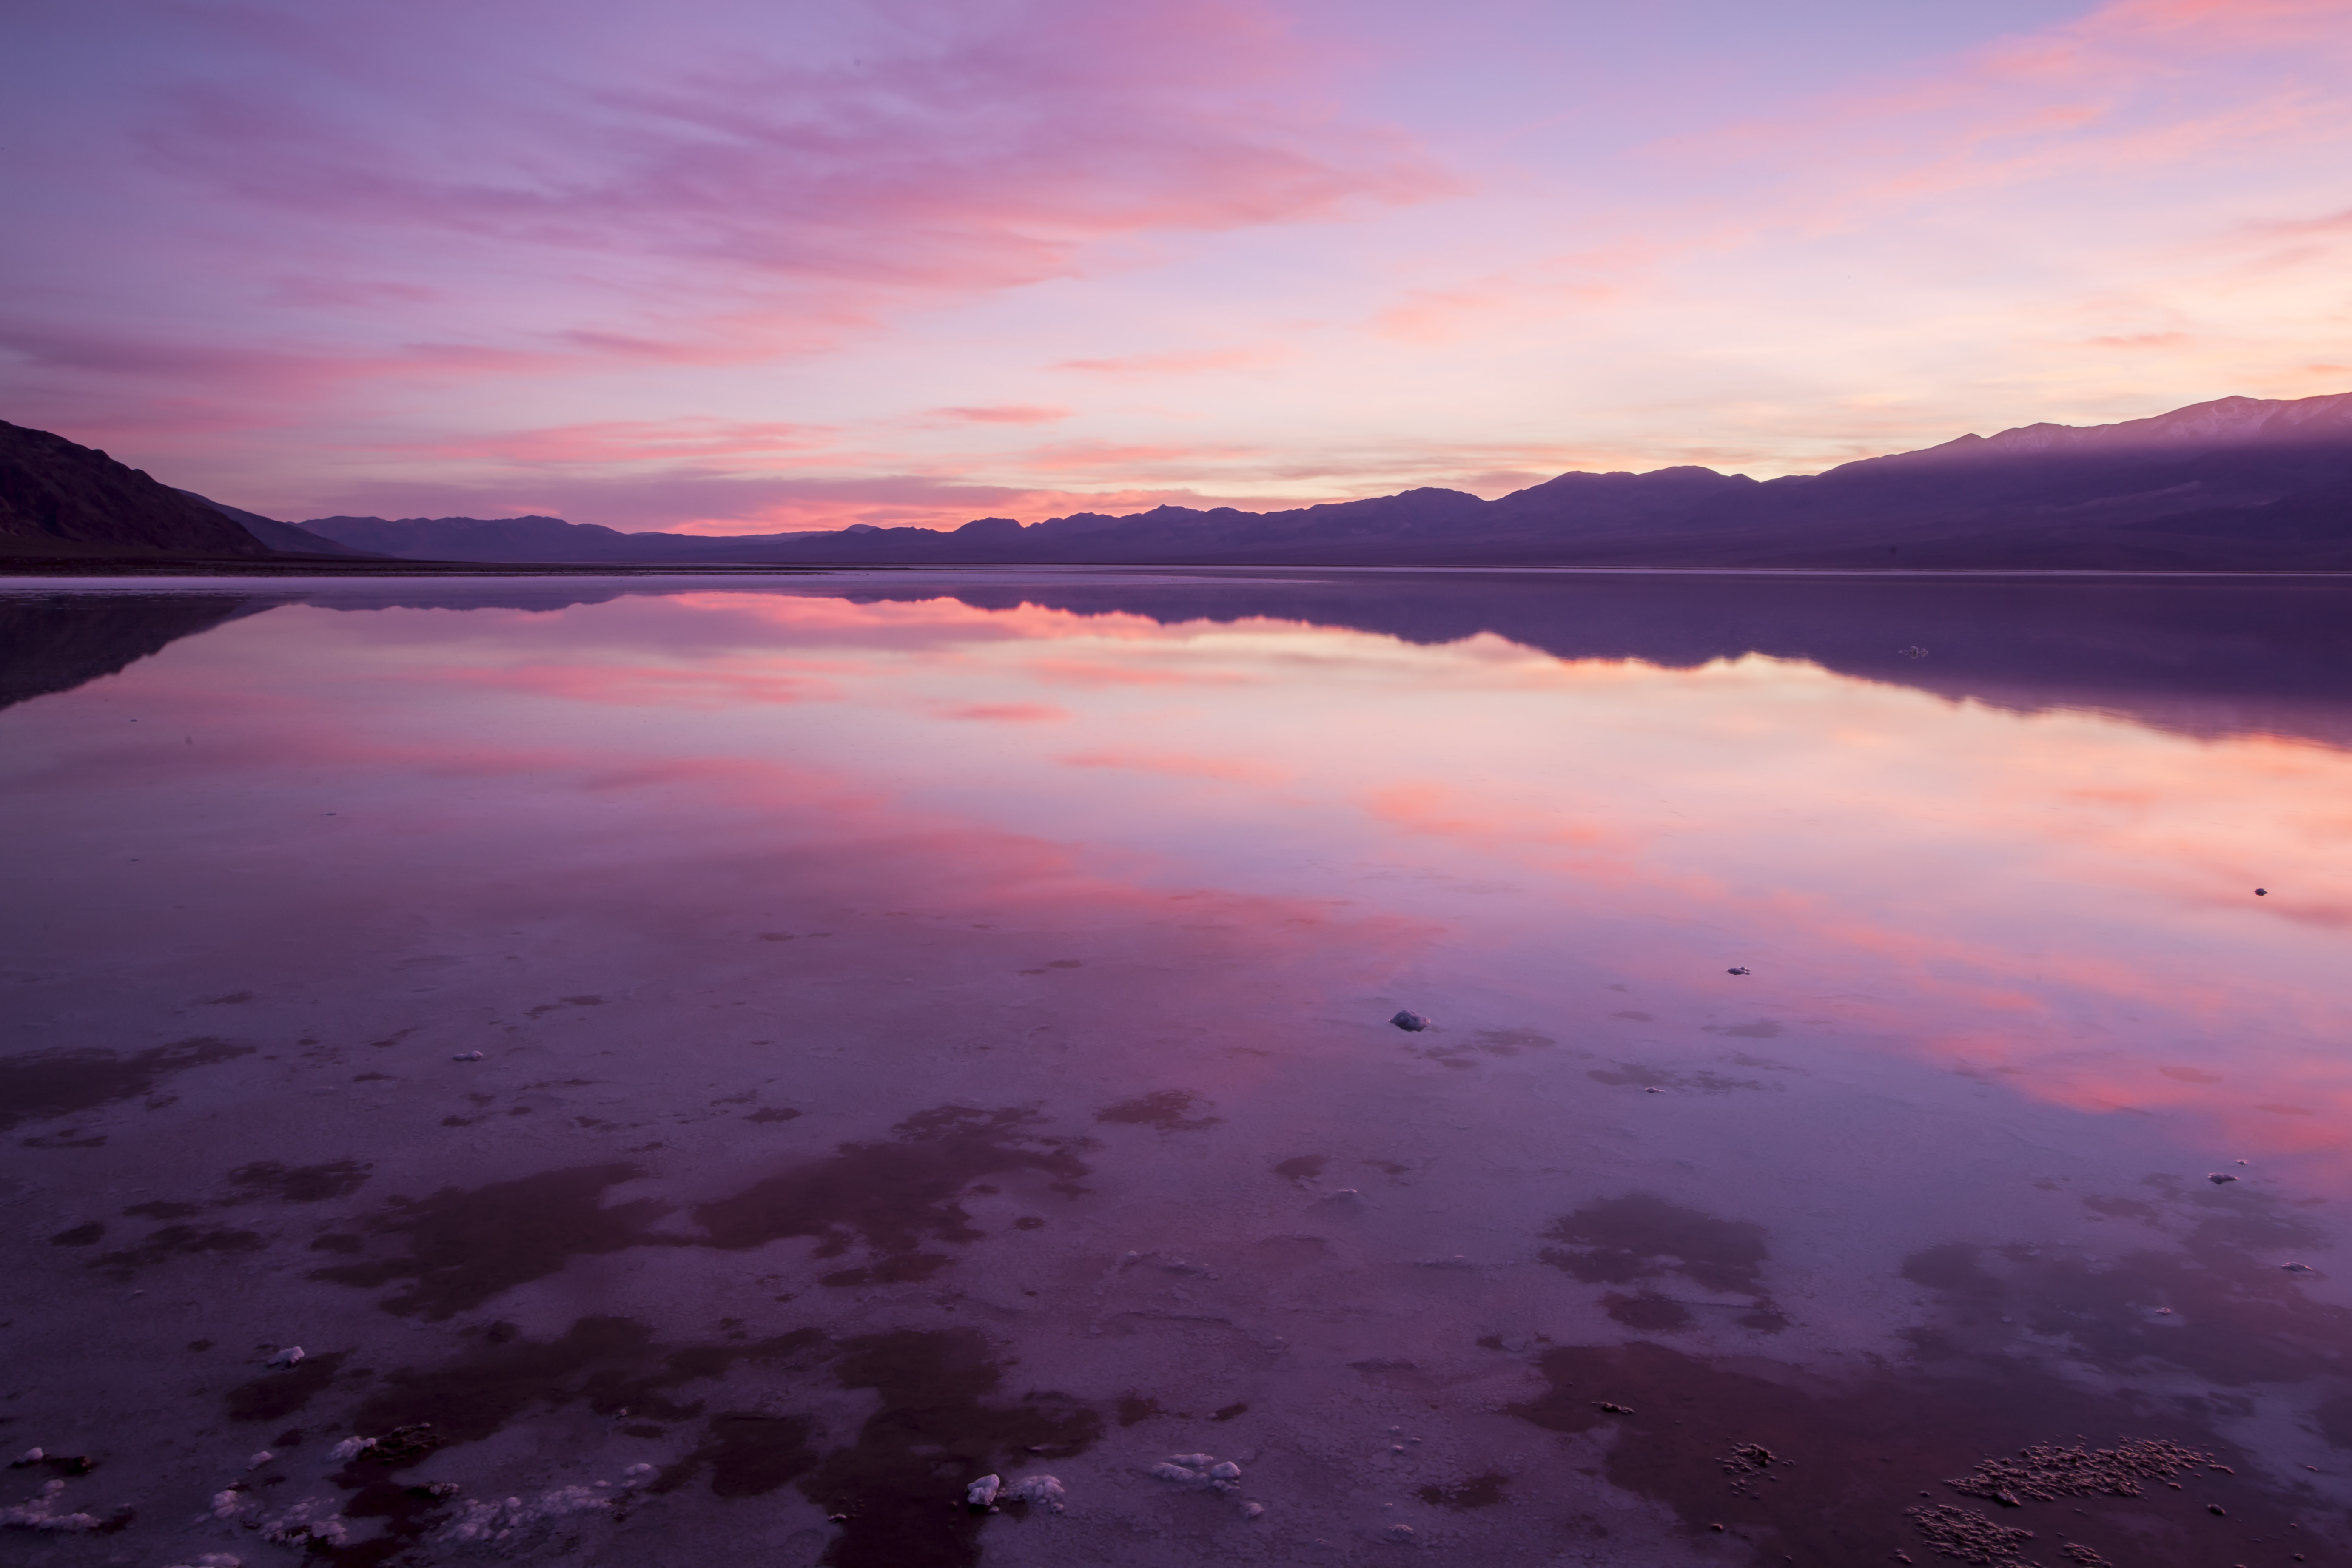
x,y
57,642
284,537
2204,658
2238,484
58,499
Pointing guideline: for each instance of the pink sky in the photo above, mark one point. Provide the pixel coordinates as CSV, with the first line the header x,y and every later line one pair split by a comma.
x,y
730,266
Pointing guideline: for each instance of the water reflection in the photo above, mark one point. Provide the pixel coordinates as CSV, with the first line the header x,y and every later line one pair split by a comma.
x,y
883,983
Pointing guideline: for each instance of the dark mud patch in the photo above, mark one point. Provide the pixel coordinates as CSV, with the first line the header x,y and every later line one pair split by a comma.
x,y
1649,1311
1478,1491
1639,1075
1134,1408
1757,1029
88,1235
892,1197
773,1113
1851,1461
41,1085
282,1393
461,1247
747,1454
1489,1043
1169,1110
1619,1240
178,1241
297,1184
162,1209
934,1431
1302,1168
612,1366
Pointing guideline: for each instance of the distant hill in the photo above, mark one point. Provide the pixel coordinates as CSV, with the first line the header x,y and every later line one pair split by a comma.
x,y
283,536
2240,483
533,539
58,499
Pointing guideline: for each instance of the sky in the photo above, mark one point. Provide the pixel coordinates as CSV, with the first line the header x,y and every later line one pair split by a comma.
x,y
736,266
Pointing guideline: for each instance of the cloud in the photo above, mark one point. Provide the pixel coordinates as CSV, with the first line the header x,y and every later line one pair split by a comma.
x,y
1182,362
1004,414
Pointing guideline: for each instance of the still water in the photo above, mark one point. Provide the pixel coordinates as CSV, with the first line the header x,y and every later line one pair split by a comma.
x,y
707,1069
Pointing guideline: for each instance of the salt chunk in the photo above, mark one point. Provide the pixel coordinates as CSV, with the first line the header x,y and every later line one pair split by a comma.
x,y
1192,1461
226,1504
263,1457
1175,1472
1225,1470
290,1356
351,1447
982,1493
30,1456
1253,1510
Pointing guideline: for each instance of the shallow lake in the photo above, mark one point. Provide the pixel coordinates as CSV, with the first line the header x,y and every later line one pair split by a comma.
x,y
706,1069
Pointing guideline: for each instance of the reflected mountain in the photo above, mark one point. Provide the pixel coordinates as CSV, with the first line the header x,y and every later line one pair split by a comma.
x,y
58,642
2205,658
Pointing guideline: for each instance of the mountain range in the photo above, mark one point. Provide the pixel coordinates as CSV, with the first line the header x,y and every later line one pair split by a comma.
x,y
2240,483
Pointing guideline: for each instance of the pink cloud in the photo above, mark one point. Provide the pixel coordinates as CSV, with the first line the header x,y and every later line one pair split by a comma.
x,y
1006,414
1179,765
1007,712
1182,362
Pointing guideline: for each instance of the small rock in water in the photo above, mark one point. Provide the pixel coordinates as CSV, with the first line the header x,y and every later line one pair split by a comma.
x,y
1608,1408
1739,969
290,1356
2298,1267
1653,1090
1411,1023
980,1495
2262,892
2220,1180
467,1057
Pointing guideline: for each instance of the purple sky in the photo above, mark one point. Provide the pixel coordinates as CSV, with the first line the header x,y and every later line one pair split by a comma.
x,y
734,266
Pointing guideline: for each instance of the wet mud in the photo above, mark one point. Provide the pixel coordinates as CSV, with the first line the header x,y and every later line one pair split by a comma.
x,y
890,1198
41,1086
1169,1110
459,1247
1852,1461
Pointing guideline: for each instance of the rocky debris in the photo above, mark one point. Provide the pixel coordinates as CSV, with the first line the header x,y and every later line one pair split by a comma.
x,y
63,1464
502,1520
1609,1407
2086,1555
1046,1491
980,1495
226,1504
290,1356
1205,1471
1969,1536
1746,1462
351,1448
313,1522
2046,1472
1411,1023
46,1511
